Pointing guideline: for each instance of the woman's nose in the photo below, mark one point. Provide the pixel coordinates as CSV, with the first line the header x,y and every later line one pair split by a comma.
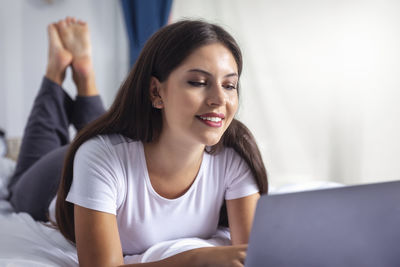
x,y
216,96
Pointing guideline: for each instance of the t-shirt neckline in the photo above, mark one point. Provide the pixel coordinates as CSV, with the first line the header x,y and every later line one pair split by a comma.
x,y
150,186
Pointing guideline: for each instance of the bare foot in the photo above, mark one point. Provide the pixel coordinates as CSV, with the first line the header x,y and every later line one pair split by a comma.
x,y
76,39
59,57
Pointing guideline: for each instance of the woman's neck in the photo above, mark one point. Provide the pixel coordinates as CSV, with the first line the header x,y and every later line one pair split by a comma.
x,y
170,158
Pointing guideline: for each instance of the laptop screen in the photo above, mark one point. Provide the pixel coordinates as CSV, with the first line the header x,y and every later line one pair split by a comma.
x,y
347,226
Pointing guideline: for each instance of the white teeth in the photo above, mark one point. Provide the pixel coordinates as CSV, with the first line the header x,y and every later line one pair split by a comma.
x,y
214,119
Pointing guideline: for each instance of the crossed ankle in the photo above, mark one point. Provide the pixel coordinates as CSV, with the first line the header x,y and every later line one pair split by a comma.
x,y
86,85
55,77
83,67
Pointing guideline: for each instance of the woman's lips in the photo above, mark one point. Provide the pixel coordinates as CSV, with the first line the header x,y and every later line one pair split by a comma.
x,y
212,114
212,119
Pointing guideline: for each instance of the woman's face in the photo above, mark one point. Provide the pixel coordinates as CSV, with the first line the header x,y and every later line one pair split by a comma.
x,y
200,98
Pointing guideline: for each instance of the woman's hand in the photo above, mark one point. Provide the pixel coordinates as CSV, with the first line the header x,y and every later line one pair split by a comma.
x,y
224,256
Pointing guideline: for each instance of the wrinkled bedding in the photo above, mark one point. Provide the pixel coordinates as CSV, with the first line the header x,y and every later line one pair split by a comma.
x,y
25,242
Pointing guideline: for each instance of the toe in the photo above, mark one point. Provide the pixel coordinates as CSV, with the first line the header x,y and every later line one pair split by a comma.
x,y
68,20
52,30
54,38
62,24
81,22
62,27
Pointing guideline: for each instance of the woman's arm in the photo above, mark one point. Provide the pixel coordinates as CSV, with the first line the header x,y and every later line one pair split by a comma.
x,y
97,238
98,244
240,215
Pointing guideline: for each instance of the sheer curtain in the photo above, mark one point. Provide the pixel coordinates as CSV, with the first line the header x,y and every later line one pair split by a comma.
x,y
320,84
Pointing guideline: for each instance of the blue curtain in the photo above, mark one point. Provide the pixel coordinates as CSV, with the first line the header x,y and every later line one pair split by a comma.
x,y
142,19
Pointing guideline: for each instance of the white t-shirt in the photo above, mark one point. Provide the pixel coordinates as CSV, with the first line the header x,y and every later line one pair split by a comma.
x,y
110,175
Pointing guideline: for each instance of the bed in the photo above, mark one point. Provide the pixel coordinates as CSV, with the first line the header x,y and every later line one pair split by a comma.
x,y
25,242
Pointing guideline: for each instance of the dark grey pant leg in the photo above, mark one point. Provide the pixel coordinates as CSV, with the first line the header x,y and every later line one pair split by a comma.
x,y
36,187
47,126
44,146
86,109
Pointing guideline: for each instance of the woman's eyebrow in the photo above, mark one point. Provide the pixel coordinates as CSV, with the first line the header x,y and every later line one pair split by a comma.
x,y
209,74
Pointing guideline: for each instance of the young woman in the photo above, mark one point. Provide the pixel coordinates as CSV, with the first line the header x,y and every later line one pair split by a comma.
x,y
167,160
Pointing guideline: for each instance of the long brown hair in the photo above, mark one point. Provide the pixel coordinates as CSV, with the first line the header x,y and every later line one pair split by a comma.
x,y
133,116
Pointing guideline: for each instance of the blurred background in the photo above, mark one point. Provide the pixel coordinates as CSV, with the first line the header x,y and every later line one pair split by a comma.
x,y
319,90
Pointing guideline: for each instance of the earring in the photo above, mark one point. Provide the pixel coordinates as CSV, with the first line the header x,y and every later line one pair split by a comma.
x,y
157,104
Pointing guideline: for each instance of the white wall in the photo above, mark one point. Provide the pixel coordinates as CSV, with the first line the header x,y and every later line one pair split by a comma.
x,y
23,51
320,87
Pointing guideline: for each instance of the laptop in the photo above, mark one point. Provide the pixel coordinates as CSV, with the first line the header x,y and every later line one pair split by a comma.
x,y
354,226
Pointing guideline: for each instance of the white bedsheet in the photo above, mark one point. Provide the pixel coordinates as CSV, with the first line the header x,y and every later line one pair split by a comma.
x,y
7,167
25,242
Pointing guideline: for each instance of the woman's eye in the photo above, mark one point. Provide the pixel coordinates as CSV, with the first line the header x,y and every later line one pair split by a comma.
x,y
197,83
230,87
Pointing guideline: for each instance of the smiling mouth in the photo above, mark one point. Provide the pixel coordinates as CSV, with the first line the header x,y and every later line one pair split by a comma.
x,y
211,121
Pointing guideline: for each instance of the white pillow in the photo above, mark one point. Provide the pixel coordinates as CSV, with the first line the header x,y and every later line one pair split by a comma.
x,y
7,167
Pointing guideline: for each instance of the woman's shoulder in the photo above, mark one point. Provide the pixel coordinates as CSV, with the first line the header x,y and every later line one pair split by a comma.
x,y
111,144
226,153
227,157
110,140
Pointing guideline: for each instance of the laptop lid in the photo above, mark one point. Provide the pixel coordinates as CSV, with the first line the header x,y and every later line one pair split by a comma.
x,y
347,226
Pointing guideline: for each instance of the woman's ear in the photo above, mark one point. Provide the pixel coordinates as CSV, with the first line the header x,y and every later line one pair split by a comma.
x,y
155,97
